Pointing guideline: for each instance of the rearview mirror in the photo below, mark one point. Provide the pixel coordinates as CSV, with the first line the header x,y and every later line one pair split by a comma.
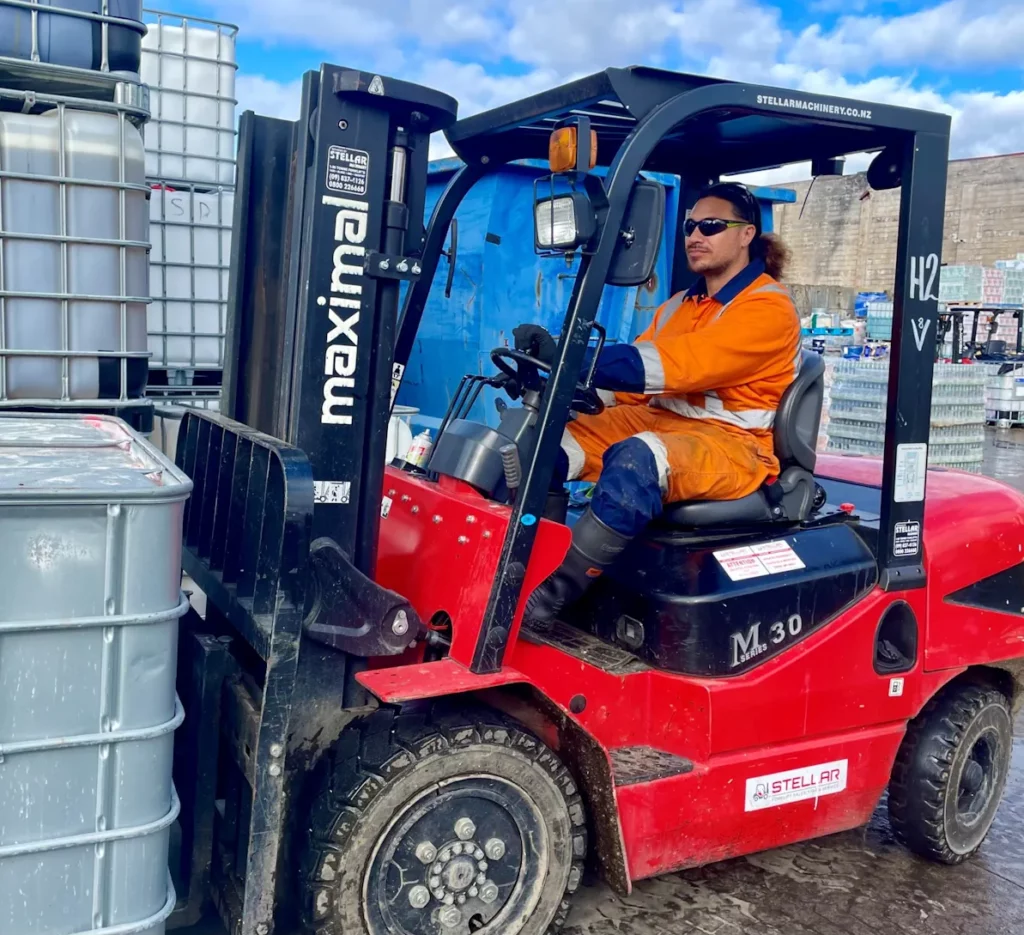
x,y
640,235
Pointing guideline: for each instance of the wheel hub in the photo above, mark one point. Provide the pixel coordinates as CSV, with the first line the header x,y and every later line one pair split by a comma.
x,y
974,776
455,863
459,874
975,787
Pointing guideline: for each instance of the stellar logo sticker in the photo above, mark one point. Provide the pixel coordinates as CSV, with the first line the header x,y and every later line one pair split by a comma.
x,y
796,785
385,507
895,688
348,170
906,539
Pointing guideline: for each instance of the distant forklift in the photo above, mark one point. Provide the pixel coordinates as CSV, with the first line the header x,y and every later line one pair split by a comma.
x,y
374,744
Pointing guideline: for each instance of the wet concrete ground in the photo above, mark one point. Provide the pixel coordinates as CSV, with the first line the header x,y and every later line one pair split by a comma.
x,y
858,883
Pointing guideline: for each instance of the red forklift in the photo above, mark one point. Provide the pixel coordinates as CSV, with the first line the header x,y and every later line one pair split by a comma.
x,y
374,744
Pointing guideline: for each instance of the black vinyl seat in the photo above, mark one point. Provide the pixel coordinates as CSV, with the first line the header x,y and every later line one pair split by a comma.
x,y
791,497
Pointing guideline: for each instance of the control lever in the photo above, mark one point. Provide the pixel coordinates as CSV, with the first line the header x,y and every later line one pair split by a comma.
x,y
511,465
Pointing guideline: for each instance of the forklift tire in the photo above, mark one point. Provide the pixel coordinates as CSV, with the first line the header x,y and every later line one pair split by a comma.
x,y
950,773
442,825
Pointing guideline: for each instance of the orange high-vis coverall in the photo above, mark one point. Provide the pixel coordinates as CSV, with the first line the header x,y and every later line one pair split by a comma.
x,y
714,369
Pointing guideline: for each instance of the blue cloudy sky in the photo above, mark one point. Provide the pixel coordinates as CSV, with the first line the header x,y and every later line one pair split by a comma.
x,y
962,56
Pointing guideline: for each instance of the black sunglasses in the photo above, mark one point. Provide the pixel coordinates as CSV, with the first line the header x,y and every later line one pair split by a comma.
x,y
711,226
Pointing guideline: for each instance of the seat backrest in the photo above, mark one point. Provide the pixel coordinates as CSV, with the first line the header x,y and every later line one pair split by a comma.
x,y
799,414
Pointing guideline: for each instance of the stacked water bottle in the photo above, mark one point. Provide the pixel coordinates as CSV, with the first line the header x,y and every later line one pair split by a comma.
x,y
189,65
73,233
858,411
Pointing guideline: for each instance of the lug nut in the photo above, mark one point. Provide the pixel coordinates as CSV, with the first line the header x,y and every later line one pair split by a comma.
x,y
495,849
419,896
464,829
400,626
488,892
425,852
450,917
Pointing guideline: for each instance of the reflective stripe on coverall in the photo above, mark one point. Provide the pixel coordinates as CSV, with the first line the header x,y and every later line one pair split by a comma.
x,y
695,402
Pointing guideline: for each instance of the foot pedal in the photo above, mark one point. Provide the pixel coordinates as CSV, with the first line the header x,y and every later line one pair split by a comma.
x,y
633,765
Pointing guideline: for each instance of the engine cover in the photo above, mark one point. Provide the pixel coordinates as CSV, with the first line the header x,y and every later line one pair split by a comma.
x,y
723,608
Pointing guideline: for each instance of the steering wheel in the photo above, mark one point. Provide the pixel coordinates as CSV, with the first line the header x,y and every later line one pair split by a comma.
x,y
525,371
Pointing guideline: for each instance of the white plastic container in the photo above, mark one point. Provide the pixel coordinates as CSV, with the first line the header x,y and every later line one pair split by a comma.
x,y
190,69
74,236
399,432
188,277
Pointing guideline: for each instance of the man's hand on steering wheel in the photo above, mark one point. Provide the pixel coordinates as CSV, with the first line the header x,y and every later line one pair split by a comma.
x,y
535,341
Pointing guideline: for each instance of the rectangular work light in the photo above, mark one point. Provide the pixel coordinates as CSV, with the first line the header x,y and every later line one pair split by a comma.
x,y
564,222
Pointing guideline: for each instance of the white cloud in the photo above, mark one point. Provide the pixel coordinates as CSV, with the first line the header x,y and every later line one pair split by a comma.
x,y
955,34
464,48
269,98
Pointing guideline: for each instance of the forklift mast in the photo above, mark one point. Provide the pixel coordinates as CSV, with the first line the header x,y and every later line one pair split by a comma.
x,y
328,223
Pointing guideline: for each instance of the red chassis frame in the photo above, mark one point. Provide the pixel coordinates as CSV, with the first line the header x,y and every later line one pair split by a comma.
x,y
819,703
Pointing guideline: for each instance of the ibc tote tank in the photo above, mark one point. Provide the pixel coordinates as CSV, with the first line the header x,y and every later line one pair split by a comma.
x,y
74,235
71,33
90,546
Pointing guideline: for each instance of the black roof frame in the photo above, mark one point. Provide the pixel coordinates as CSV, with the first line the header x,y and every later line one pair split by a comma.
x,y
701,128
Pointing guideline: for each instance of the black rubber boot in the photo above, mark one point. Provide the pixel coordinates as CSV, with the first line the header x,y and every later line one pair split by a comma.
x,y
594,548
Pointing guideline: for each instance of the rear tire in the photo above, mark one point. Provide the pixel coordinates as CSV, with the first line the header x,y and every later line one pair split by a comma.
x,y
950,773
443,826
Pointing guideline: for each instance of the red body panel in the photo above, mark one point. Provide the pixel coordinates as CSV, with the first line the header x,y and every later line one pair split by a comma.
x,y
819,702
439,547
973,528
700,817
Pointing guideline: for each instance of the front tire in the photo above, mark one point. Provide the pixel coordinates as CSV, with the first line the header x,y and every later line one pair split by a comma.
x,y
950,773
443,826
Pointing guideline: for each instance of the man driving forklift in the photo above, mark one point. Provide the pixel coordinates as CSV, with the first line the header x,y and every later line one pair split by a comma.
x,y
692,401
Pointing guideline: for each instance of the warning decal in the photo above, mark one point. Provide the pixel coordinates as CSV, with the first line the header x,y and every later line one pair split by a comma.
x,y
758,560
777,556
911,470
332,491
347,170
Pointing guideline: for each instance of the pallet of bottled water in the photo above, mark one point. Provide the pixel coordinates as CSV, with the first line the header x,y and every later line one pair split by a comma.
x,y
857,411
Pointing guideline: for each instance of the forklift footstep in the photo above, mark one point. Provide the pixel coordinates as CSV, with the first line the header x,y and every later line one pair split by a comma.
x,y
633,765
584,646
